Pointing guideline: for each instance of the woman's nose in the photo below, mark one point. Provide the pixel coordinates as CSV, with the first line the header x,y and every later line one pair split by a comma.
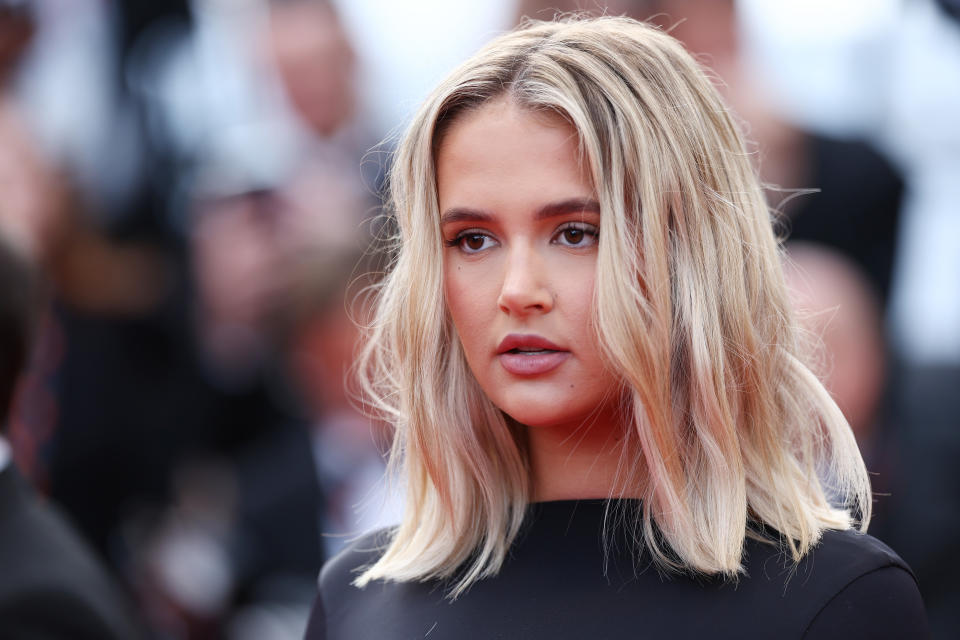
x,y
526,288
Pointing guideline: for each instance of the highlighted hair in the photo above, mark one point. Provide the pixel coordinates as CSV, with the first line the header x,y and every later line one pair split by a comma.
x,y
728,432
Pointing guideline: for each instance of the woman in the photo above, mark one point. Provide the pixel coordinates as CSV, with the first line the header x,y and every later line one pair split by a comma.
x,y
603,419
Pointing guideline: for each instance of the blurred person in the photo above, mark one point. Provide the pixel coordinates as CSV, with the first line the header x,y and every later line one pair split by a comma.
x,y
839,306
308,48
591,382
276,282
330,302
316,66
237,541
241,257
51,585
329,208
315,62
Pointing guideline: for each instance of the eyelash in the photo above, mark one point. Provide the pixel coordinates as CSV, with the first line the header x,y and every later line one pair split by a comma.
x,y
458,240
586,229
583,227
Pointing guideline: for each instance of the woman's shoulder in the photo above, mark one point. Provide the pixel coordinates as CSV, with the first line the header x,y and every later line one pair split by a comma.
x,y
337,593
853,551
849,580
840,557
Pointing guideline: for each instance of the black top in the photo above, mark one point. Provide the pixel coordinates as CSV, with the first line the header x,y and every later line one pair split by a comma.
x,y
554,586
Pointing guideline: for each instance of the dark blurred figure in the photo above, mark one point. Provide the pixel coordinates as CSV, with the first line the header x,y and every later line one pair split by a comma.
x,y
51,585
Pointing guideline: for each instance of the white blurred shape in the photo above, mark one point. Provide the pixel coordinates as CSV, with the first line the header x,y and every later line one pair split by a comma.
x,y
824,60
194,568
406,48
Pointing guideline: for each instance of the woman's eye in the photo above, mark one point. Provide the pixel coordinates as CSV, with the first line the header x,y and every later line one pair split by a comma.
x,y
472,242
577,235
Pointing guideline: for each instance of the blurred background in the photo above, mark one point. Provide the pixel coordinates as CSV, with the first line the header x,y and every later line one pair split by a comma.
x,y
196,184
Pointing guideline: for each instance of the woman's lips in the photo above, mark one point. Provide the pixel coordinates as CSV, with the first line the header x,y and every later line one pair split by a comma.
x,y
532,363
530,355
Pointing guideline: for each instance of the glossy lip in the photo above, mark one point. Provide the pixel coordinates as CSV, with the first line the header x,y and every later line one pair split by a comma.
x,y
530,364
526,341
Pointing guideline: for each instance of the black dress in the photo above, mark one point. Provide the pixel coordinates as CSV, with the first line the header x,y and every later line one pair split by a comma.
x,y
558,583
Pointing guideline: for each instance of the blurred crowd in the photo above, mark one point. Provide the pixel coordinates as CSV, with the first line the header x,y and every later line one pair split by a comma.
x,y
190,188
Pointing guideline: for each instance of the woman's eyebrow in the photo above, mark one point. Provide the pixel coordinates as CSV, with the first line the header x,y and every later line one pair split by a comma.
x,y
571,205
461,214
550,210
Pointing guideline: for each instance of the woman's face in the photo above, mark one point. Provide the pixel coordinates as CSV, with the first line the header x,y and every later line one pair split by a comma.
x,y
521,223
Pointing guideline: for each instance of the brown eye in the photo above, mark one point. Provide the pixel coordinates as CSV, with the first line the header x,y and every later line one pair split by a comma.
x,y
474,241
577,234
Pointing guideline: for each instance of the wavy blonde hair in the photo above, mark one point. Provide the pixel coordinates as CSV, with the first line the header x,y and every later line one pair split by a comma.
x,y
728,433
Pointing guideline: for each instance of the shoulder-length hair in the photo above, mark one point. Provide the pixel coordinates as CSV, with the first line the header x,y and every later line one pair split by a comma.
x,y
727,432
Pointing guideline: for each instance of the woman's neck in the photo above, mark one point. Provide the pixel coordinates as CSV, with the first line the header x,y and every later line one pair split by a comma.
x,y
578,462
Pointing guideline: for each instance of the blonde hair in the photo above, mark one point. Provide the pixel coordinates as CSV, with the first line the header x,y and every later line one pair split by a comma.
x,y
727,432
